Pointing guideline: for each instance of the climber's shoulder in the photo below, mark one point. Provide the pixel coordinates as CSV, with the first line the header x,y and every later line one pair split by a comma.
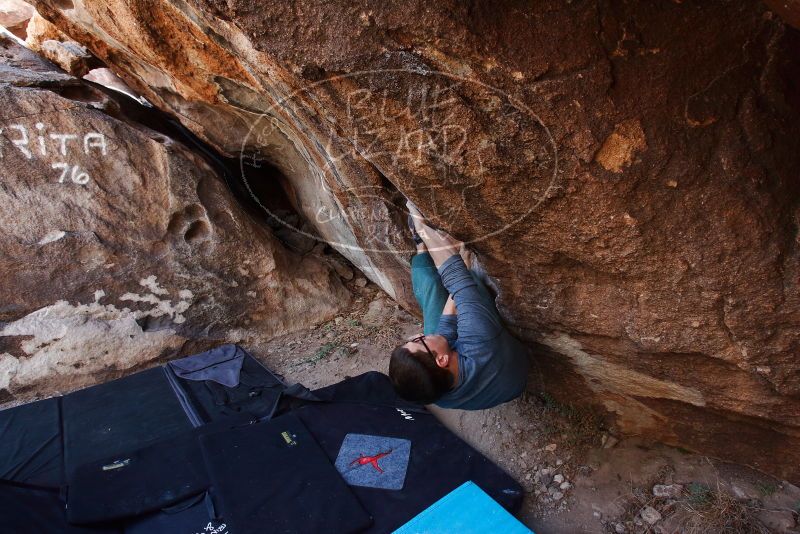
x,y
489,374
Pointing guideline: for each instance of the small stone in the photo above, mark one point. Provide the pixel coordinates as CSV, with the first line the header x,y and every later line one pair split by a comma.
x,y
545,479
557,496
664,491
610,442
361,282
777,520
672,183
558,479
541,489
353,345
366,19
559,462
551,447
650,515
619,528
523,455
528,476
739,493
565,486
597,514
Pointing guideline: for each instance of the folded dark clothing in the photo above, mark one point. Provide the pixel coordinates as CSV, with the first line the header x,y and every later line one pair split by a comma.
x,y
31,509
251,390
192,516
273,477
221,365
119,416
142,480
31,444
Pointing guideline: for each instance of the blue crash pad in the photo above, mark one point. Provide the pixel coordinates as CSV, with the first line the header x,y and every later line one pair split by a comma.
x,y
466,510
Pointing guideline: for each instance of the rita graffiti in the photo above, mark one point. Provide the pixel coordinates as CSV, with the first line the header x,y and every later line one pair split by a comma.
x,y
63,150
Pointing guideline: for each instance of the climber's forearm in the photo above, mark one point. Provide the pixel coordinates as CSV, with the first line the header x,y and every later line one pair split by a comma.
x,y
439,244
440,256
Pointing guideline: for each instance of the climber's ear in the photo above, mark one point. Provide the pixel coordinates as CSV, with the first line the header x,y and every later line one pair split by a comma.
x,y
443,359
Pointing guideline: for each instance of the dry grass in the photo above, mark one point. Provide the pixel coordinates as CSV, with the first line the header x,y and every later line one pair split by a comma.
x,y
700,509
720,512
337,337
578,427
386,336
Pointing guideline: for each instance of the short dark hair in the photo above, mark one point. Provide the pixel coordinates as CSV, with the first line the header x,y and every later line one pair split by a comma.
x,y
416,377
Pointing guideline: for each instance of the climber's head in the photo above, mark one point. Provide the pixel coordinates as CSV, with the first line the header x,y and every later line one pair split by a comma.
x,y
423,369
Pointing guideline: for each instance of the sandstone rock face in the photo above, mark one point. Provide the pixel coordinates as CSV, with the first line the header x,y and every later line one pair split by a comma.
x,y
119,244
626,174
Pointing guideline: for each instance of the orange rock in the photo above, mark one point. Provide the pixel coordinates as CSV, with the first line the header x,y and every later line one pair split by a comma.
x,y
543,137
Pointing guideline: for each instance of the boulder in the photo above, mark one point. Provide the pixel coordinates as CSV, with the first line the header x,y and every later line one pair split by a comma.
x,y
14,16
120,245
625,173
44,38
40,30
70,56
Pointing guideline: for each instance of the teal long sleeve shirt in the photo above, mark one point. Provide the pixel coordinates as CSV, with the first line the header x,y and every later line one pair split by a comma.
x,y
492,364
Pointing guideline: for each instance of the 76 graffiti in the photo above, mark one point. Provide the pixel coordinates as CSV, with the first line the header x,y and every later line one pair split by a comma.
x,y
76,175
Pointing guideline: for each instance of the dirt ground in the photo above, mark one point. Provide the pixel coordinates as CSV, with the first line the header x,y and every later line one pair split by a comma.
x,y
577,477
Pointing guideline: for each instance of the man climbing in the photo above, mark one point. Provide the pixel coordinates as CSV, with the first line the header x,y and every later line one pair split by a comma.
x,y
465,358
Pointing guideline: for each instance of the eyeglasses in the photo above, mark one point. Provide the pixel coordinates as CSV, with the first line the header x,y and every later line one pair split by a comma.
x,y
421,339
